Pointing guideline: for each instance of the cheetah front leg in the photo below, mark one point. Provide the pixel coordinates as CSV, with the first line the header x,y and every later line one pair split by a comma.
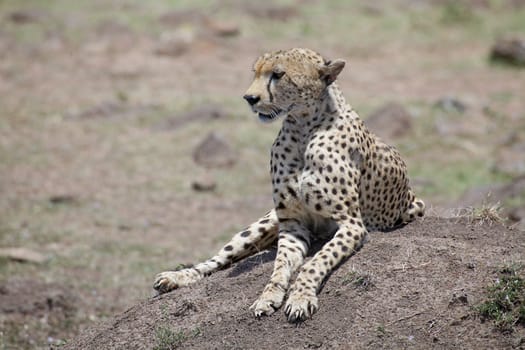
x,y
292,246
302,301
254,238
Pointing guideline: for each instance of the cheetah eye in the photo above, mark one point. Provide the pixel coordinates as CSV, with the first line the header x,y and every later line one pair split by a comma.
x,y
277,74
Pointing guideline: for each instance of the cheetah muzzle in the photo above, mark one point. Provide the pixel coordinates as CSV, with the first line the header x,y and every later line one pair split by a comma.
x,y
330,177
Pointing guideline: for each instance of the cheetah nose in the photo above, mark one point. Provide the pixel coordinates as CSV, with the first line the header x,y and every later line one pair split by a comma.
x,y
252,99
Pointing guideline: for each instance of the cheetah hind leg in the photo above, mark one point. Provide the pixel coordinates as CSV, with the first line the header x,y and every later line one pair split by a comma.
x,y
256,237
415,209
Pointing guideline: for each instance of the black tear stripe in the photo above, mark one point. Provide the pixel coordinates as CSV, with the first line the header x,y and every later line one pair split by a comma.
x,y
268,88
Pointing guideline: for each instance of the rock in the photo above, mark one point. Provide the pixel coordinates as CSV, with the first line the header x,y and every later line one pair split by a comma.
x,y
175,43
517,214
514,189
372,9
221,28
510,160
493,193
180,17
509,195
23,255
461,128
25,16
390,121
517,217
214,151
204,184
63,199
451,105
197,22
510,51
270,11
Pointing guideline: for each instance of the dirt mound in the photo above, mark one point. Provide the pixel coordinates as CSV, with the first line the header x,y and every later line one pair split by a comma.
x,y
414,287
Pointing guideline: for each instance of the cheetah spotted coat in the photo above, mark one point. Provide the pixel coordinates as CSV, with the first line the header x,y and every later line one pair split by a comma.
x,y
330,177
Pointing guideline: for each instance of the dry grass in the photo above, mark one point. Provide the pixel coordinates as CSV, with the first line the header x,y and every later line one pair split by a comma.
x,y
486,214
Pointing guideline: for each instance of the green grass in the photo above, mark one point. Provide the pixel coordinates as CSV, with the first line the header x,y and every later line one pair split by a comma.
x,y
134,14
505,299
452,161
326,20
168,339
381,331
361,280
450,179
457,12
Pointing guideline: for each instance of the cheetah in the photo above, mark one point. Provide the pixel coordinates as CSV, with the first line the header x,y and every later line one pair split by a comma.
x,y
330,177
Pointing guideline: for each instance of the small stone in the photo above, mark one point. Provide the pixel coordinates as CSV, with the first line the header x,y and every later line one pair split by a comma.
x,y
175,43
214,151
204,184
509,51
517,214
221,28
451,104
23,255
510,160
63,199
274,12
177,18
25,16
390,121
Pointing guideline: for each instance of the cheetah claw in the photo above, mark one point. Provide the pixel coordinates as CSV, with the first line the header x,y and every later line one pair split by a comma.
x,y
270,300
300,306
263,308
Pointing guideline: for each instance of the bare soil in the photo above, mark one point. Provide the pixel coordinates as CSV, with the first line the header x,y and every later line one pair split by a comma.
x,y
416,289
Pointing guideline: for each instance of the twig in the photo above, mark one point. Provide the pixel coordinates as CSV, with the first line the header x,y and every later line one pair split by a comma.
x,y
406,317
407,267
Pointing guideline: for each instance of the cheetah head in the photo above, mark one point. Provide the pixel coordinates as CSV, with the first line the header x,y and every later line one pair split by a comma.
x,y
290,82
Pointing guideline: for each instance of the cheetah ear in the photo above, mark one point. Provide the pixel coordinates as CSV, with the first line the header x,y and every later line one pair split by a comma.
x,y
329,72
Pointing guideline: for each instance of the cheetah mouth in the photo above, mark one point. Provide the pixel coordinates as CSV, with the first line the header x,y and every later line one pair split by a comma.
x,y
274,114
268,118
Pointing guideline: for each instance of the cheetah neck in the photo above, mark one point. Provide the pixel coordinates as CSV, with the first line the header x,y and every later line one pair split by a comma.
x,y
331,104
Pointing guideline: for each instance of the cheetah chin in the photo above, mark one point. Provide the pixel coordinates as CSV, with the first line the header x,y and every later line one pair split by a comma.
x,y
268,118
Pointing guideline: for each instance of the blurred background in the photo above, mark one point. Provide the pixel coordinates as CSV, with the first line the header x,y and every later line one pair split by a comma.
x,y
126,148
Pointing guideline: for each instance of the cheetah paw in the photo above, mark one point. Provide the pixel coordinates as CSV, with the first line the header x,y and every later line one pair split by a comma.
x,y
169,280
300,306
270,300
